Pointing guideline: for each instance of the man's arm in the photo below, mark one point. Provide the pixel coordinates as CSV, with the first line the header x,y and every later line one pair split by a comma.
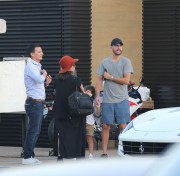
x,y
48,80
36,75
98,89
124,80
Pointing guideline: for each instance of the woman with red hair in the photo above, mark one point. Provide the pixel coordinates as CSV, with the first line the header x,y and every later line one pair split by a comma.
x,y
69,132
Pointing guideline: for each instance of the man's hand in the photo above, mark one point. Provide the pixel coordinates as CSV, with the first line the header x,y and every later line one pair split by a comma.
x,y
107,75
44,73
48,80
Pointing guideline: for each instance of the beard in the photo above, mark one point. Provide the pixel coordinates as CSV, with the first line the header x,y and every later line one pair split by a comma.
x,y
117,53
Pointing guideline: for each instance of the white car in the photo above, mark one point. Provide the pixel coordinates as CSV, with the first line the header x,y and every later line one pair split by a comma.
x,y
151,132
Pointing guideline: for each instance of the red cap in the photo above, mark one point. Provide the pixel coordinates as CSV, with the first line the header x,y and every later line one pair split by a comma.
x,y
66,62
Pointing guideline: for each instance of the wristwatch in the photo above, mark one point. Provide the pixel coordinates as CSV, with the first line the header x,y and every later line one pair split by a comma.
x,y
112,77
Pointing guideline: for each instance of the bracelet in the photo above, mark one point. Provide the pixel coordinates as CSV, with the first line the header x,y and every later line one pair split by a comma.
x,y
112,77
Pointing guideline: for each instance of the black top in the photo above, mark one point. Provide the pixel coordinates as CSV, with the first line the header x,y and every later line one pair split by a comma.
x,y
64,88
69,132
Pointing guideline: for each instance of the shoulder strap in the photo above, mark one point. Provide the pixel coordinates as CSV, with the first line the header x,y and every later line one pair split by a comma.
x,y
75,77
76,82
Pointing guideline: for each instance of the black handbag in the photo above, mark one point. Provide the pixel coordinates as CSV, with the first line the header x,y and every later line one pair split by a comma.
x,y
79,103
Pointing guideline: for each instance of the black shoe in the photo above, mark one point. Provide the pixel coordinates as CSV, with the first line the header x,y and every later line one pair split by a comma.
x,y
59,158
104,155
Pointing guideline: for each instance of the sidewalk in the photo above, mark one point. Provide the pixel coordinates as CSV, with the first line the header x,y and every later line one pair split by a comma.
x,y
10,156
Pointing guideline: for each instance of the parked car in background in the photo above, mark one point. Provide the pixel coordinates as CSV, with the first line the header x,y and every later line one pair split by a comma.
x,y
151,132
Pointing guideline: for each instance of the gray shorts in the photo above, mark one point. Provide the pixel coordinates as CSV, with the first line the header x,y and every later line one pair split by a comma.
x,y
118,113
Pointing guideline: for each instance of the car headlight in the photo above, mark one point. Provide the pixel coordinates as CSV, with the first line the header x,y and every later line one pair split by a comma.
x,y
128,127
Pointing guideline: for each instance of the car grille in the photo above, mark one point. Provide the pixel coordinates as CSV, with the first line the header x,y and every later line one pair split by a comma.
x,y
144,147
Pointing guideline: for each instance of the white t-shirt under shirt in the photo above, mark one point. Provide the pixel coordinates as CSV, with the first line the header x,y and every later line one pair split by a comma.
x,y
90,119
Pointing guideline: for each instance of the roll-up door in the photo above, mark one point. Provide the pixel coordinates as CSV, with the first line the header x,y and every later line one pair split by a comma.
x,y
161,51
61,27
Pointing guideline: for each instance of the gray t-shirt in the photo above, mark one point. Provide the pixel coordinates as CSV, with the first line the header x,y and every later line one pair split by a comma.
x,y
113,92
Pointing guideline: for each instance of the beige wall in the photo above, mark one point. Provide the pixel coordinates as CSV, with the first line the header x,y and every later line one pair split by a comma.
x,y
122,19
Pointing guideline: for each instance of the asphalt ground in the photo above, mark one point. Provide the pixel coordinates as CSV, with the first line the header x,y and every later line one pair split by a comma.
x,y
11,156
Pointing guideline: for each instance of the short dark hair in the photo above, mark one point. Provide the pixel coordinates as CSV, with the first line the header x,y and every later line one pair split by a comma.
x,y
91,88
31,48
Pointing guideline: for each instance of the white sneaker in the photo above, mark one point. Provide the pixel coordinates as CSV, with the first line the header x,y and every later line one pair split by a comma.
x,y
37,160
91,156
30,161
68,159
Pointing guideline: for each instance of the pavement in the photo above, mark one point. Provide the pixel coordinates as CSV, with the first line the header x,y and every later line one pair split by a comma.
x,y
10,164
10,157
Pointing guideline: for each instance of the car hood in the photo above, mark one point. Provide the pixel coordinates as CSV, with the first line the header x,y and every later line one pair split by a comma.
x,y
160,120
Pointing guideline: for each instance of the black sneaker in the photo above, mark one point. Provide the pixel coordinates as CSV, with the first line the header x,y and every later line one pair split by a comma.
x,y
59,158
104,155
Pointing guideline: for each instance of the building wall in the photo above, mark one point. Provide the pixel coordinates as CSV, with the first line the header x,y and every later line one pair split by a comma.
x,y
117,18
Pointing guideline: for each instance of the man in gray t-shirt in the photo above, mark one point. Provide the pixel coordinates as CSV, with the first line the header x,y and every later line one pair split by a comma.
x,y
116,72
